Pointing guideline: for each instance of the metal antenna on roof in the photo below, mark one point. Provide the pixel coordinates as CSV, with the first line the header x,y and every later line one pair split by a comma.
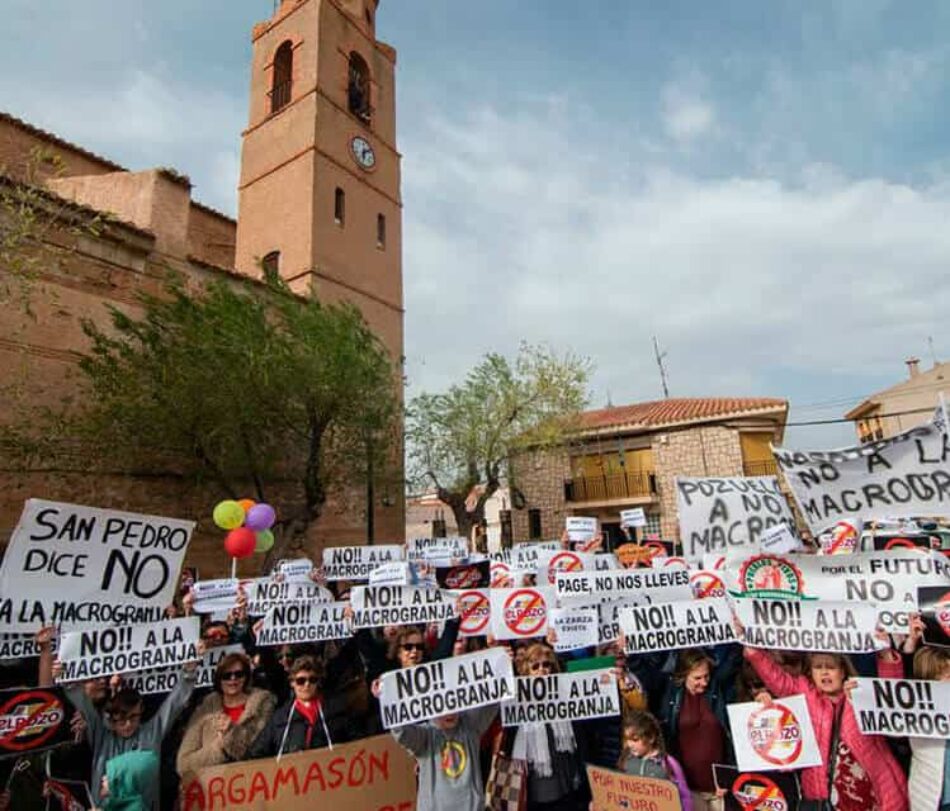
x,y
933,355
659,363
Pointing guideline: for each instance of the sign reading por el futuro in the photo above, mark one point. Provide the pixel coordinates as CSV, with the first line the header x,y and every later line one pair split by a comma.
x,y
84,567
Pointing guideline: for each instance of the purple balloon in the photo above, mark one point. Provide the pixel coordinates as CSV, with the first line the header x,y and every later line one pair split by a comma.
x,y
260,517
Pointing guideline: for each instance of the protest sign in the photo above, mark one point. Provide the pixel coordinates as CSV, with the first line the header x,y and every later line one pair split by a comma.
x,y
778,736
464,576
565,560
525,556
635,517
126,648
842,538
499,574
673,626
265,594
816,626
18,646
421,692
475,612
356,562
617,791
779,540
902,707
608,615
213,596
373,774
33,719
391,574
300,623
574,628
905,475
82,566
714,562
422,549
562,697
378,606
165,679
580,528
295,569
756,791
71,795
520,613
889,580
933,603
718,514
651,585
884,542
706,584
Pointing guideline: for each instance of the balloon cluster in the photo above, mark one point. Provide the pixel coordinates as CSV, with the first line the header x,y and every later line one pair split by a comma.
x,y
248,524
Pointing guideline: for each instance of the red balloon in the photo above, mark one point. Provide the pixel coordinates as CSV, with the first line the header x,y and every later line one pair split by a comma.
x,y
240,542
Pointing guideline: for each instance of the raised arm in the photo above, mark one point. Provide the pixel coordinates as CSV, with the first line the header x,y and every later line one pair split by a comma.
x,y
417,738
776,679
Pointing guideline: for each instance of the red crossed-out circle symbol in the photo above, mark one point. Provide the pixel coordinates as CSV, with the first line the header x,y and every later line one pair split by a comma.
x,y
775,734
655,547
476,612
30,731
942,613
500,575
707,585
525,613
756,792
564,562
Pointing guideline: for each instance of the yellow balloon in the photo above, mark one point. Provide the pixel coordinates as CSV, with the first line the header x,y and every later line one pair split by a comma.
x,y
228,514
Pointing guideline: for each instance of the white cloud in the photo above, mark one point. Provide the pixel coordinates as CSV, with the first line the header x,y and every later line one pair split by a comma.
x,y
686,115
751,284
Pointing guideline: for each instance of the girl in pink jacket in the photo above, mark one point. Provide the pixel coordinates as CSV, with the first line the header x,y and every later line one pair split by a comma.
x,y
866,776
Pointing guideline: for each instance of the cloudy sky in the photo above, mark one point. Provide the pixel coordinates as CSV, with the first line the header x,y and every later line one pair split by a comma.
x,y
763,186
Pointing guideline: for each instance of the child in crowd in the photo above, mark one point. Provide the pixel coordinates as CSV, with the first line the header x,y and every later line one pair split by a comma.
x,y
127,782
644,755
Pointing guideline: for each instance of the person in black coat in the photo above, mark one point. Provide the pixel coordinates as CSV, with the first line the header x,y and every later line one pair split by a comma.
x,y
301,723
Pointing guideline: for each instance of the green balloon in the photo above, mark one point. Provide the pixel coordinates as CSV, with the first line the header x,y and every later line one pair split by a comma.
x,y
228,514
265,540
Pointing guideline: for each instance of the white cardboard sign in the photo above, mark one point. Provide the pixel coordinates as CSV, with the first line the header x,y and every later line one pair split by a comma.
x,y
302,623
378,606
575,628
635,517
778,737
674,626
413,694
580,528
562,697
82,567
648,585
357,562
164,680
902,707
423,549
521,613
295,570
127,648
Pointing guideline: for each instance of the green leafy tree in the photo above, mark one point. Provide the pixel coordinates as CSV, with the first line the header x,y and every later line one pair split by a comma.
x,y
264,394
466,436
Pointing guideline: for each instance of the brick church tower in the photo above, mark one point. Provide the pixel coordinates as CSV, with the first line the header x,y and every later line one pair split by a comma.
x,y
319,194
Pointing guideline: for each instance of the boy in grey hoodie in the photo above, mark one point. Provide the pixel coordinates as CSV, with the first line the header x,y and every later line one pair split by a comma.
x,y
447,751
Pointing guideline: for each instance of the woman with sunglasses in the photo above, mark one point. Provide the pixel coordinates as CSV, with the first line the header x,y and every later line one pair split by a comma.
x,y
301,723
554,766
228,720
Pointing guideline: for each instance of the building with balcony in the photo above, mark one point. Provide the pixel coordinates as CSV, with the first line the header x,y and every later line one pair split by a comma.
x,y
904,405
628,456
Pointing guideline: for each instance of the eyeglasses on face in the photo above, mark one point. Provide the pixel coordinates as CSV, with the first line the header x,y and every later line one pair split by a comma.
x,y
412,646
302,680
132,718
545,663
234,675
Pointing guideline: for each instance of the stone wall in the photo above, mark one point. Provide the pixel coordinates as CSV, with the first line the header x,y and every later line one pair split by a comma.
x,y
540,476
709,451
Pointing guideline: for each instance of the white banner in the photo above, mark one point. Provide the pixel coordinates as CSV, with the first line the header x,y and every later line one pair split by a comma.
x,y
902,707
903,476
575,628
422,549
265,594
636,517
718,514
520,613
421,692
300,623
649,585
673,626
356,562
562,697
164,680
580,528
378,606
816,626
295,570
82,567
777,737
127,648
889,580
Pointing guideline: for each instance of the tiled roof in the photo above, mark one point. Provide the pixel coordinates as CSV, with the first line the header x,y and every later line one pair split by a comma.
x,y
680,410
62,142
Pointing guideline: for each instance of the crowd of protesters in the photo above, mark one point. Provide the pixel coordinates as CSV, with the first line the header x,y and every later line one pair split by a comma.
x,y
268,702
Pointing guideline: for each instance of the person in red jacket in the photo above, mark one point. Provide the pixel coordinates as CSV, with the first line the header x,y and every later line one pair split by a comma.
x,y
865,775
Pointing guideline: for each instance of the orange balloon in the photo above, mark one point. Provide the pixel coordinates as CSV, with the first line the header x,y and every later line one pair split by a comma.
x,y
246,504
